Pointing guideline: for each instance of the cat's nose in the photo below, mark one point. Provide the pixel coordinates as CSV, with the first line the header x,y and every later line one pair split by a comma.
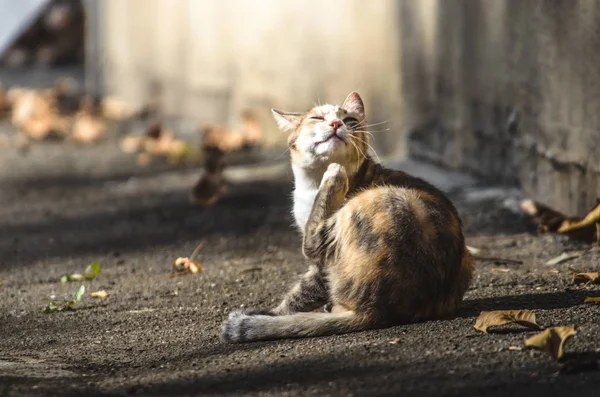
x,y
335,124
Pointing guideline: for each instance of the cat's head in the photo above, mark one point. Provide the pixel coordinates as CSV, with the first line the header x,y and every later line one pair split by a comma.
x,y
327,134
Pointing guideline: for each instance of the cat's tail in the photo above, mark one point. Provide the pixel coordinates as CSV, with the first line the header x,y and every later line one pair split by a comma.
x,y
240,327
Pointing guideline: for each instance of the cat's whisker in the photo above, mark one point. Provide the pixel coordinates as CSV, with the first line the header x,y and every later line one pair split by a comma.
x,y
387,129
281,155
374,124
356,146
358,152
370,147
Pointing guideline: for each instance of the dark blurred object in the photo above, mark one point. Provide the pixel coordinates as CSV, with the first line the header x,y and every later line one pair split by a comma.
x,y
55,38
211,184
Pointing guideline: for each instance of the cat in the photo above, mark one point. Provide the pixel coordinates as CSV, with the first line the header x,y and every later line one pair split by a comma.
x,y
385,248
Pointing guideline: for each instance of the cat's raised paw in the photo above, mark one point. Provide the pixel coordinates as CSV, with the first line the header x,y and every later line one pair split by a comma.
x,y
335,175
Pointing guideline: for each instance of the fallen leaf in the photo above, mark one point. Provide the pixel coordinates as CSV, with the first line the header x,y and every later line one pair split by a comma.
x,y
495,318
87,129
66,305
143,159
590,299
587,278
115,109
79,293
552,340
92,270
587,229
473,250
515,348
562,258
395,341
131,144
100,294
500,270
89,274
186,265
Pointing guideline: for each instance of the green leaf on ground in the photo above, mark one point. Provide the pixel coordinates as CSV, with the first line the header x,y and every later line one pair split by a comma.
x,y
92,271
89,274
55,306
79,293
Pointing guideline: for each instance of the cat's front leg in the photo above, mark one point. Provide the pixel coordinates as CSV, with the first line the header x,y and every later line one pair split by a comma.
x,y
310,293
332,193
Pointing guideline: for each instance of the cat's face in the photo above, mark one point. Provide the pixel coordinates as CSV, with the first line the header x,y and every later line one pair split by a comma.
x,y
327,134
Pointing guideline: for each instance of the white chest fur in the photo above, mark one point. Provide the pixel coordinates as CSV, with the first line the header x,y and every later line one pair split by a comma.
x,y
305,192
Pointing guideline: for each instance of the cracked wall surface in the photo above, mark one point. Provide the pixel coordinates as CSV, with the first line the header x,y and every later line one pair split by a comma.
x,y
507,89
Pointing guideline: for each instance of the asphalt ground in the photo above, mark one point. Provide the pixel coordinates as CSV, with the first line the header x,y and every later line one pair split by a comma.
x,y
63,206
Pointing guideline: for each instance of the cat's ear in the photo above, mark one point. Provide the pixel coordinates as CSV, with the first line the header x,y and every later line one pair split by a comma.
x,y
287,121
354,104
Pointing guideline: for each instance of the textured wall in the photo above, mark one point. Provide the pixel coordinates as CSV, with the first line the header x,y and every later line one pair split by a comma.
x,y
508,89
212,58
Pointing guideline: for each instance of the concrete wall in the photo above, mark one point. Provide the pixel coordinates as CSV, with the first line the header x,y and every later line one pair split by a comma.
x,y
508,89
212,58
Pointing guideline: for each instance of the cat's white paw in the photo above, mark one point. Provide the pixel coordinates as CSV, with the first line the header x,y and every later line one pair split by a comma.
x,y
244,325
233,329
335,172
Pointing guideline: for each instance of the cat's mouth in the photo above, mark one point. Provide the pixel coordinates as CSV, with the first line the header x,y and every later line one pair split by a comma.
x,y
330,137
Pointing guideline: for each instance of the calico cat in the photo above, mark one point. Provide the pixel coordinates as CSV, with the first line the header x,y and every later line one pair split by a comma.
x,y
385,247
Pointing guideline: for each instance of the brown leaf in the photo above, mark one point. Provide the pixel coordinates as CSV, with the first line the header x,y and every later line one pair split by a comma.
x,y
590,299
87,129
143,159
131,144
502,317
587,278
185,265
500,270
100,294
115,109
552,340
395,341
551,220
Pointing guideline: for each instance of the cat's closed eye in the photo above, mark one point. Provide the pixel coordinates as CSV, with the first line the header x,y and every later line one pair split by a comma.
x,y
317,118
350,122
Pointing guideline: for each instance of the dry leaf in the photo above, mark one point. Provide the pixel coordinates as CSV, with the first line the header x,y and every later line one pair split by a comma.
x,y
143,159
131,144
502,317
473,250
185,265
87,129
515,348
100,294
552,340
587,278
562,258
590,299
115,109
395,341
550,220
500,270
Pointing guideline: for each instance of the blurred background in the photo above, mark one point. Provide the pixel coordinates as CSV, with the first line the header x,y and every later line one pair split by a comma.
x,y
502,89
